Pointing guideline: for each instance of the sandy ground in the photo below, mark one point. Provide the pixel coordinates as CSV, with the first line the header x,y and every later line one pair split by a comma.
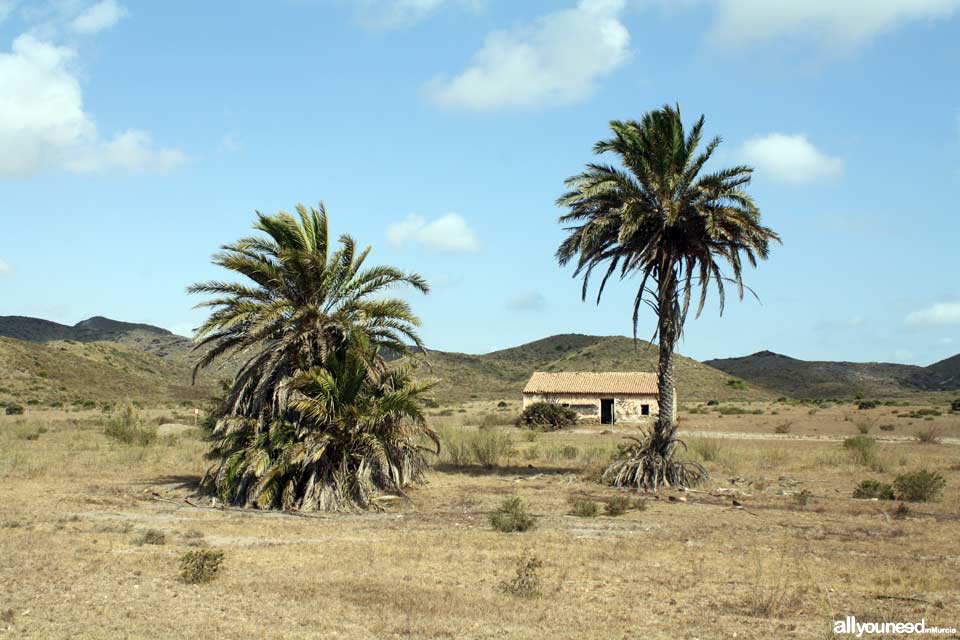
x,y
743,556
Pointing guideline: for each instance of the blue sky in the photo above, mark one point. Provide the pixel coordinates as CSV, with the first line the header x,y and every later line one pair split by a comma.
x,y
136,137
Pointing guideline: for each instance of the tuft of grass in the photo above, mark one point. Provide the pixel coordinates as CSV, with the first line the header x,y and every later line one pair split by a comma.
x,y
887,427
512,516
200,566
783,427
802,499
861,448
583,508
489,447
152,536
919,486
928,436
617,506
527,582
873,490
707,449
126,426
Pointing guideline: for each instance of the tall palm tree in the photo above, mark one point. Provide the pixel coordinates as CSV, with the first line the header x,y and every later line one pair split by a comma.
x,y
660,217
314,419
303,301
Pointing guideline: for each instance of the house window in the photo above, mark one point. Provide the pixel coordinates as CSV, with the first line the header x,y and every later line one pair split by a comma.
x,y
644,409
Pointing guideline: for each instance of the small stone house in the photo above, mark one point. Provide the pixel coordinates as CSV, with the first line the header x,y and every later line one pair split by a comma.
x,y
607,398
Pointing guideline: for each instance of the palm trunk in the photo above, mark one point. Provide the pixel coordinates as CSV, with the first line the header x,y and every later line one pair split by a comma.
x,y
666,398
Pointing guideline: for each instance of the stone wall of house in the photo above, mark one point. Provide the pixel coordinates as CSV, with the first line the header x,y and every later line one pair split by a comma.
x,y
628,408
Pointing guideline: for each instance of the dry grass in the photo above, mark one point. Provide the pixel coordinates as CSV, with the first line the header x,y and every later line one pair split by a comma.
x,y
431,566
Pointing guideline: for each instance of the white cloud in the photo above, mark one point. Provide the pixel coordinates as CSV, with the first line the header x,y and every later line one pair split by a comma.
x,y
529,301
6,269
43,124
98,17
834,24
392,14
790,158
940,313
448,233
556,60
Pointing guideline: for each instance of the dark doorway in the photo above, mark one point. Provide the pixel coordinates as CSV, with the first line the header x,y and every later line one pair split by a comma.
x,y
606,411
644,409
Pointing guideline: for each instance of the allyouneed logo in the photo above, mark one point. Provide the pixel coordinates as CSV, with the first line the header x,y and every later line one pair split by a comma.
x,y
850,626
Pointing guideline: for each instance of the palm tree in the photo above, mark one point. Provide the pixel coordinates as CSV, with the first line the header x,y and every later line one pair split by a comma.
x,y
352,430
315,418
302,303
661,217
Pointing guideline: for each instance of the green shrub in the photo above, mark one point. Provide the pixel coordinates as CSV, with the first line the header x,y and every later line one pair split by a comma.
x,y
919,486
201,565
713,403
488,447
707,449
126,426
860,448
547,416
928,436
14,410
870,489
867,404
501,405
955,405
887,427
152,536
739,385
512,516
617,506
583,508
526,583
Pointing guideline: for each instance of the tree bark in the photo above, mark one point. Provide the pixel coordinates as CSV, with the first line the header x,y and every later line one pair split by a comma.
x,y
667,331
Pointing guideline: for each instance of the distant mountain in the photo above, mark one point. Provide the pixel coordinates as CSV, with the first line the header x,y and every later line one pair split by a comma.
x,y
826,379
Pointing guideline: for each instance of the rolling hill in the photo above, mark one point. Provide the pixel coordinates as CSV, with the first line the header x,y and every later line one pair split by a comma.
x,y
103,360
824,379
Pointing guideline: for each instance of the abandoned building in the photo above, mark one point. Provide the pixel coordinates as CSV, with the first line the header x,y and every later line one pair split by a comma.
x,y
609,398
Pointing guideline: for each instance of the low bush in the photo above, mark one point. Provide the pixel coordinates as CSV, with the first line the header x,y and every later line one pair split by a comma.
x,y
928,436
152,536
526,583
860,448
547,417
200,566
126,426
512,516
14,410
583,508
873,489
955,405
707,449
919,486
887,427
489,447
783,427
867,404
569,452
616,506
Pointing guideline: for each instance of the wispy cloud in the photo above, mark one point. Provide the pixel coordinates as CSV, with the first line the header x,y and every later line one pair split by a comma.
x,y
937,314
98,17
395,14
790,159
528,301
556,60
447,233
6,269
838,25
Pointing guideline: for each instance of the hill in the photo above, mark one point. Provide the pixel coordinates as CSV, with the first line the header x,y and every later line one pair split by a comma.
x,y
103,360
502,374
825,379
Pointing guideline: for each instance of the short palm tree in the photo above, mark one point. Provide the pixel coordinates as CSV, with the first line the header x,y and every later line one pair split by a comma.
x,y
351,431
660,217
315,418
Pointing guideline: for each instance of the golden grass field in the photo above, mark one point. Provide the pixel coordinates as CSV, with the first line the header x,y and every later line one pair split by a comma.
x,y
76,504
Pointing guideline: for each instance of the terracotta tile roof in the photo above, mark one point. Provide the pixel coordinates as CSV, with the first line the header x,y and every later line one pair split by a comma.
x,y
592,383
